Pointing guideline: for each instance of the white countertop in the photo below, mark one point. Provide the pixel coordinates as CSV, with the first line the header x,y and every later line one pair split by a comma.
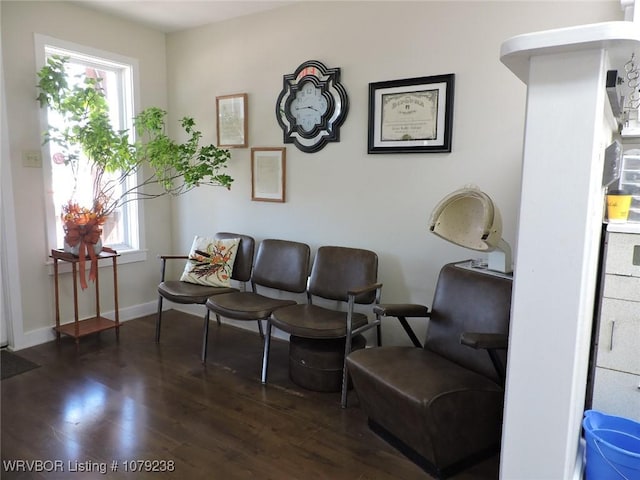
x,y
627,227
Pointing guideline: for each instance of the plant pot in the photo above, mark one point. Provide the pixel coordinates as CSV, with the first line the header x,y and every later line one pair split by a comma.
x,y
82,236
75,250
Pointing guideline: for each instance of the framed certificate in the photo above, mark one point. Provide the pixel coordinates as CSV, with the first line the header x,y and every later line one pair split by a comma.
x,y
232,120
268,174
412,115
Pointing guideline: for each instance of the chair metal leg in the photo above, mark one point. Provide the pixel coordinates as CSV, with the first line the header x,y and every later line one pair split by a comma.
x,y
409,331
345,374
379,330
159,319
205,337
265,355
260,328
218,319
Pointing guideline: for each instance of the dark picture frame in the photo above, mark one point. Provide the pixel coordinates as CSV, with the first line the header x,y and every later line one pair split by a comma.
x,y
413,115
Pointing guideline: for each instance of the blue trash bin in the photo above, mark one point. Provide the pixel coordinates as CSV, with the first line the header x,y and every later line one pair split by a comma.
x,y
613,447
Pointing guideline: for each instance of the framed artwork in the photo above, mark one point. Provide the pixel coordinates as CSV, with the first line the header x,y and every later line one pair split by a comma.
x,y
412,115
232,125
268,173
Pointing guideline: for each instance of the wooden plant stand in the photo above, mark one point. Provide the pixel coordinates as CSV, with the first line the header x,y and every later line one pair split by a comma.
x,y
80,328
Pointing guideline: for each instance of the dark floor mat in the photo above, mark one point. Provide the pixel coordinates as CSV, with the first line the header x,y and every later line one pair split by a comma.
x,y
12,364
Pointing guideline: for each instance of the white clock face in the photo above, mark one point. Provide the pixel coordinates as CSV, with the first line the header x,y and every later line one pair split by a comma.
x,y
308,106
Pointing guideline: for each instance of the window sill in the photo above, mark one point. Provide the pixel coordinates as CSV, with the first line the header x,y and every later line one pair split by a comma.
x,y
127,256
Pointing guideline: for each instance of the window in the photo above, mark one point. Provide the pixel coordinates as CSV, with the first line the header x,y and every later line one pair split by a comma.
x,y
121,230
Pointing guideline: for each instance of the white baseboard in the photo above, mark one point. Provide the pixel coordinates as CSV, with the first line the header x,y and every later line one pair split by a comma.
x,y
135,311
47,334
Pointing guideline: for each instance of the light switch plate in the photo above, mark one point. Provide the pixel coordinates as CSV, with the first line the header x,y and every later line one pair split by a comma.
x,y
32,159
636,255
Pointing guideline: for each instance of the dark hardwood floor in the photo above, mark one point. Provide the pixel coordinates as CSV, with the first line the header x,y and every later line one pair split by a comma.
x,y
133,400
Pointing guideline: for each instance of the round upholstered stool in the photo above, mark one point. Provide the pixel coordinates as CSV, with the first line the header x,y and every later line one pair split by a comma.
x,y
316,364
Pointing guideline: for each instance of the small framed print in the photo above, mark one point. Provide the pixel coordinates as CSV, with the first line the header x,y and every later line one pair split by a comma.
x,y
268,174
412,115
232,123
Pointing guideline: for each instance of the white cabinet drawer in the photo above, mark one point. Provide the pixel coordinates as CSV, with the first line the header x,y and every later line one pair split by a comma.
x,y
617,393
625,288
620,254
619,336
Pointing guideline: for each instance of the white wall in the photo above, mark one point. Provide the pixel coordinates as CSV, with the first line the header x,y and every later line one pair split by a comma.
x,y
341,195
20,20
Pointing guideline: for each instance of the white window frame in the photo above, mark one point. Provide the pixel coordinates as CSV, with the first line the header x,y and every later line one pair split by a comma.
x,y
134,250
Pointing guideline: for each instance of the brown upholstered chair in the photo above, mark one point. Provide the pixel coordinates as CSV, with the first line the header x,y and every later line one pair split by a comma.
x,y
189,293
279,265
339,274
442,404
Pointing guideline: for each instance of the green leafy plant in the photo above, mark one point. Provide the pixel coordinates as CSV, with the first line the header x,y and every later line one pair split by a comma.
x,y
153,158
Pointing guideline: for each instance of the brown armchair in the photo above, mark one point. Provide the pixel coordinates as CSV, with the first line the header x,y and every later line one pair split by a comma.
x,y
189,293
442,404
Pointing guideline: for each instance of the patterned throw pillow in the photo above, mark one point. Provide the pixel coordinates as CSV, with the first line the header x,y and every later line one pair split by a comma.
x,y
211,261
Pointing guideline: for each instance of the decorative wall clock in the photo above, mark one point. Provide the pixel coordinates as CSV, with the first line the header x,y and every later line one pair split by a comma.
x,y
312,106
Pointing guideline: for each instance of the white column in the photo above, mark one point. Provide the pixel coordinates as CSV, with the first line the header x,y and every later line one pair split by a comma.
x,y
568,126
556,265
